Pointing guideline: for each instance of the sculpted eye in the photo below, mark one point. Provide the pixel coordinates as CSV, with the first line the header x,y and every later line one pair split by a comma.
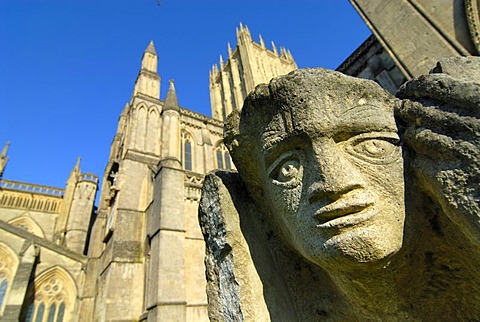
x,y
379,148
375,148
287,170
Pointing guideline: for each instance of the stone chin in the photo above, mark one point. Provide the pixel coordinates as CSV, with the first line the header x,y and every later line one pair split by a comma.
x,y
356,246
364,246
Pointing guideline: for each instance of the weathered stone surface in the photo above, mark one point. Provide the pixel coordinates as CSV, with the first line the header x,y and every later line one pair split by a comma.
x,y
356,205
430,30
222,288
443,117
251,275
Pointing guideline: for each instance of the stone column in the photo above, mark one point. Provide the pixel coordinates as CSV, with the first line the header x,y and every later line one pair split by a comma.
x,y
166,299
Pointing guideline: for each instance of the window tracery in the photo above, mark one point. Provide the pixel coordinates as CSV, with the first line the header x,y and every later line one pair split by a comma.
x,y
223,157
8,267
52,296
27,223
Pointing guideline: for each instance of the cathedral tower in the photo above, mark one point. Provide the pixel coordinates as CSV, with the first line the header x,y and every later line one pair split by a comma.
x,y
146,251
118,236
248,65
146,246
71,229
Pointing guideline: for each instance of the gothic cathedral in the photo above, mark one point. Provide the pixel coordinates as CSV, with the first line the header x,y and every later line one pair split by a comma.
x,y
139,256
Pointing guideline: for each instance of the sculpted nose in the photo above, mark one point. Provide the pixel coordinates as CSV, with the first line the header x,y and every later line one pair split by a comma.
x,y
332,176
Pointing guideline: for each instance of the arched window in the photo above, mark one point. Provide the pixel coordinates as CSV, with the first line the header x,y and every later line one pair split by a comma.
x,y
8,267
52,296
223,157
27,223
186,155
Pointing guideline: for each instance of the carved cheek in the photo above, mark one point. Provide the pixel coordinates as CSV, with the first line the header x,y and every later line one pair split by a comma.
x,y
286,199
387,179
391,184
292,198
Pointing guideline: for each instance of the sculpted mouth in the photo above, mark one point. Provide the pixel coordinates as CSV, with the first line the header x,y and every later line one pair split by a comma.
x,y
344,213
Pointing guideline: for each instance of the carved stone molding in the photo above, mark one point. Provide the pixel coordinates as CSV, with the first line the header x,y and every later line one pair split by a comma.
x,y
473,18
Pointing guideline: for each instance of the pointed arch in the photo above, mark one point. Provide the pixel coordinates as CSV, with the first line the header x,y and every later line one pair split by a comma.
x,y
186,149
141,126
8,267
222,156
153,131
27,223
52,296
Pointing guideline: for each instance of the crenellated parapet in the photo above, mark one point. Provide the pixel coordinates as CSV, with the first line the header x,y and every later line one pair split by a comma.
x,y
21,195
90,177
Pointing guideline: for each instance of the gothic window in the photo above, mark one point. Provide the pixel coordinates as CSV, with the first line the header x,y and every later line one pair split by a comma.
x,y
227,160
219,159
27,223
52,296
223,157
186,155
8,266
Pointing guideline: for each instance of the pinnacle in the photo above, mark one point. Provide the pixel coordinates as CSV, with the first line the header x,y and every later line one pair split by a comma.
x,y
5,149
3,158
125,109
171,101
151,48
77,164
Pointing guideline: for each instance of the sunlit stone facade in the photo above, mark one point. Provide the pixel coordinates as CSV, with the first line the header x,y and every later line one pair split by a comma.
x,y
140,256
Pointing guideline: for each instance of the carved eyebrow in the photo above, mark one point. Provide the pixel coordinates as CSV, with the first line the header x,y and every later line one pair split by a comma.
x,y
279,145
365,120
362,112
270,138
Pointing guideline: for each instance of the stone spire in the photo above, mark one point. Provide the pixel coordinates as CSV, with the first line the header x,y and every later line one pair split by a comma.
x,y
151,48
68,196
4,158
75,173
148,81
221,62
77,165
72,226
262,43
274,48
171,101
149,58
171,129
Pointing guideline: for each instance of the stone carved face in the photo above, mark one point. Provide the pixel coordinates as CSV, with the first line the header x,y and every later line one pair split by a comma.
x,y
320,154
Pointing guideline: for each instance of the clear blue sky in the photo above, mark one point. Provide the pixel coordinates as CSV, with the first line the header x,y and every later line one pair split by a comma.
x,y
67,68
